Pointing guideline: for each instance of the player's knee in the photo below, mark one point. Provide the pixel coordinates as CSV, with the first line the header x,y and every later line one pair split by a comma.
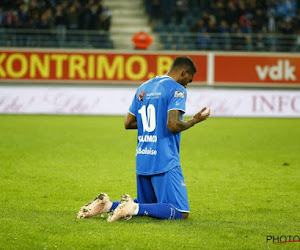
x,y
185,215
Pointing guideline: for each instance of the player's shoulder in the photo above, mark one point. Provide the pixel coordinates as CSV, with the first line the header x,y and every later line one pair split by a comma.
x,y
171,83
174,89
148,83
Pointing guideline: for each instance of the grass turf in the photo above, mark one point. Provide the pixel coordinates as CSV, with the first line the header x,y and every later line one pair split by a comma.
x,y
242,177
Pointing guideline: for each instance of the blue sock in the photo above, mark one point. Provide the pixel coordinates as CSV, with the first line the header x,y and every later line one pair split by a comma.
x,y
160,210
114,205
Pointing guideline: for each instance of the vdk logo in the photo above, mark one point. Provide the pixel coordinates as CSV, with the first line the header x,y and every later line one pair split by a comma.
x,y
281,71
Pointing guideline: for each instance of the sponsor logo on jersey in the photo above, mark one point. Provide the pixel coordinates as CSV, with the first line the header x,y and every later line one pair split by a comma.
x,y
141,96
146,151
154,94
179,94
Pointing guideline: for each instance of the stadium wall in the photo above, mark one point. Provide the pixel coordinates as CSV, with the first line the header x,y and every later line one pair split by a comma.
x,y
116,101
33,71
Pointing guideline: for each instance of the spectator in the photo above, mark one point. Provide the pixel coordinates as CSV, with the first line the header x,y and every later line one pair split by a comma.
x,y
47,21
224,30
285,8
142,40
60,20
9,19
205,5
60,23
104,19
166,10
232,13
200,26
44,22
181,6
87,15
241,7
234,27
286,26
287,29
251,6
219,11
259,21
50,18
7,4
155,9
297,21
95,10
271,23
72,17
205,17
54,14
245,23
34,21
212,27
2,15
22,14
72,14
33,4
224,27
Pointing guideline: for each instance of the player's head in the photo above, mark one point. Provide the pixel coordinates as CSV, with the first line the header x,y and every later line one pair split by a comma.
x,y
183,70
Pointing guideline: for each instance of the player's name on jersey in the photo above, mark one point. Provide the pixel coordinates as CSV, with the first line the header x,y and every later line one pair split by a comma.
x,y
147,138
146,151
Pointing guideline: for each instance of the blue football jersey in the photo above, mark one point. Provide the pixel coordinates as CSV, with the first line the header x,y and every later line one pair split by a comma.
x,y
157,148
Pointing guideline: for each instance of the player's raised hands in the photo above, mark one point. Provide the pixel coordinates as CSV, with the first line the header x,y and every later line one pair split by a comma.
x,y
201,115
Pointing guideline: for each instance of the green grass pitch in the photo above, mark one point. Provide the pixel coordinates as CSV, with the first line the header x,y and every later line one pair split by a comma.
x,y
242,175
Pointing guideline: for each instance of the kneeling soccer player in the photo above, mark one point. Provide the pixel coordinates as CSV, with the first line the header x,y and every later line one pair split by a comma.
x,y
156,111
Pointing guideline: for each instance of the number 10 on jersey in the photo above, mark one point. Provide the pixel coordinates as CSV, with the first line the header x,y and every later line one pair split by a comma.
x,y
148,118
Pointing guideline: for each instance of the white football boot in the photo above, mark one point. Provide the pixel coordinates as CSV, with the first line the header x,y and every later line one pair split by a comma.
x,y
101,204
125,209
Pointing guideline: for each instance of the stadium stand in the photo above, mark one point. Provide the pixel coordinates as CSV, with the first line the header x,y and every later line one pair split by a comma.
x,y
55,23
242,25
238,25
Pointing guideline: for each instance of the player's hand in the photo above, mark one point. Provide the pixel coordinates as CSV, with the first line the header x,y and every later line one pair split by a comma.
x,y
201,115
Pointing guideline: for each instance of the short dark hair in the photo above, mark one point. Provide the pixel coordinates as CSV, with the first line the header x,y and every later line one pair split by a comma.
x,y
184,62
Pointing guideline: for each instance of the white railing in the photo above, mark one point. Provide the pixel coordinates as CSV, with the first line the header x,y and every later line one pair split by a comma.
x,y
54,38
229,41
165,40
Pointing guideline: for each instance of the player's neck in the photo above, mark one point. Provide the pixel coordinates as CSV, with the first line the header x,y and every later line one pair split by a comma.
x,y
174,76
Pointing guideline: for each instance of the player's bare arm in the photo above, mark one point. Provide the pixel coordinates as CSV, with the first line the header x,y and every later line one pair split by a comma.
x,y
175,124
130,121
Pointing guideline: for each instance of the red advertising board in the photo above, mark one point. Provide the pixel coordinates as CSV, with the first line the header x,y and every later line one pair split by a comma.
x,y
99,66
256,69
89,65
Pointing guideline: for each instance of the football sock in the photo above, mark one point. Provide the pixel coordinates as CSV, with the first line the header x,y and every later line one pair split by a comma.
x,y
160,210
114,205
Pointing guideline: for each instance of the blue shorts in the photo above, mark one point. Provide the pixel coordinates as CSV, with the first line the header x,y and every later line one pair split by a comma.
x,y
168,187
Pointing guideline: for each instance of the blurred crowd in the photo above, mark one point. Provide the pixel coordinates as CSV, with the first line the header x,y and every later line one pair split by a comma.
x,y
51,14
232,16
